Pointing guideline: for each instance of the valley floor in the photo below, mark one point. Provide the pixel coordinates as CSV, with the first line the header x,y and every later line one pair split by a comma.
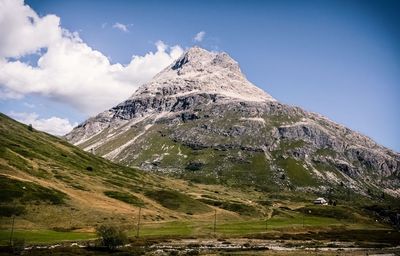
x,y
233,246
316,237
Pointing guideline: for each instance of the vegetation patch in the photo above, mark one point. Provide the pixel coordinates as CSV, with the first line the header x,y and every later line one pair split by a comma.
x,y
282,212
125,197
242,209
326,152
28,192
298,174
178,202
292,197
287,144
336,212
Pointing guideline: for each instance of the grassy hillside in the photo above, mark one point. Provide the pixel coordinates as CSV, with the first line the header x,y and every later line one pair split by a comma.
x,y
52,184
40,170
59,192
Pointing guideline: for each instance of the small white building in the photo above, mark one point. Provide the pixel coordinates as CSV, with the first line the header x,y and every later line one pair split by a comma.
x,y
321,201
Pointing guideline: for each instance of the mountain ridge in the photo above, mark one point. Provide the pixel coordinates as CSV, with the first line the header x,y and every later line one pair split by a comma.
x,y
201,103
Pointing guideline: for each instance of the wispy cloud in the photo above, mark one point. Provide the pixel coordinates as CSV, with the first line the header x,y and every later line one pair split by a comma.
x,y
199,36
122,27
26,104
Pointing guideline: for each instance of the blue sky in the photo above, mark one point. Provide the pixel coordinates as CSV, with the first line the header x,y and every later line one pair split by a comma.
x,y
337,58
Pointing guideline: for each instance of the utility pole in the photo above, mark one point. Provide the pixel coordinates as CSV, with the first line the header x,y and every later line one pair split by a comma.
x,y
138,224
215,221
12,231
348,192
13,220
309,212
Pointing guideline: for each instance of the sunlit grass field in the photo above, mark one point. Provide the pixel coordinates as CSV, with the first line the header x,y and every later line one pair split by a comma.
x,y
296,222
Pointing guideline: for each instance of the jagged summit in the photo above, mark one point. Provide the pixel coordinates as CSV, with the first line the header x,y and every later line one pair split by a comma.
x,y
199,59
202,71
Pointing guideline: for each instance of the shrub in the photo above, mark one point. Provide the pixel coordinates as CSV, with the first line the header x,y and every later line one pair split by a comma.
x,y
111,237
194,166
9,210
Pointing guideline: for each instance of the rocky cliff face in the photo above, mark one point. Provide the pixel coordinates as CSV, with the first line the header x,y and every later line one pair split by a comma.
x,y
201,119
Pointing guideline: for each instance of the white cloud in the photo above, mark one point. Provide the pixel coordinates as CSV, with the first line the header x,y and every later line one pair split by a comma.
x,y
53,125
69,71
23,31
121,27
199,36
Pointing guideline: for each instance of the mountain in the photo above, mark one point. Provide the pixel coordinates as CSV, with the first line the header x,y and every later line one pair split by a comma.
x,y
202,120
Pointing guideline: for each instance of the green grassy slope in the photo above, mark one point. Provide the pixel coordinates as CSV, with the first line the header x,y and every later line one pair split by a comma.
x,y
52,184
40,171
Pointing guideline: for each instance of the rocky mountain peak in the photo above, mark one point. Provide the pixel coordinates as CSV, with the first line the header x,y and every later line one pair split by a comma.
x,y
199,59
202,71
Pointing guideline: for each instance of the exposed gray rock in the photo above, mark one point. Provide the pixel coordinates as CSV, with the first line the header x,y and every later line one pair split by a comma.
x,y
203,103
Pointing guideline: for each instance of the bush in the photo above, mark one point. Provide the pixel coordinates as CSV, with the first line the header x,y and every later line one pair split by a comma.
x,y
194,166
111,237
9,210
